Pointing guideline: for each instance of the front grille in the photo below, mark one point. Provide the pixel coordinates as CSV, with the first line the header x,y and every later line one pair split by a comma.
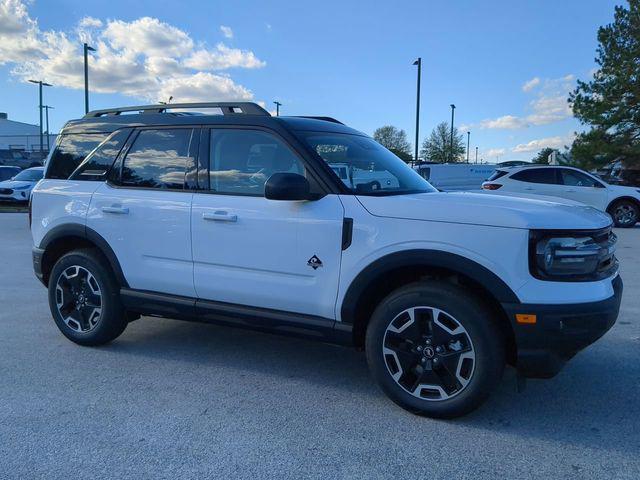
x,y
6,191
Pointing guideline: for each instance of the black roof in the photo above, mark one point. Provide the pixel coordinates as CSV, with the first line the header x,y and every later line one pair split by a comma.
x,y
109,120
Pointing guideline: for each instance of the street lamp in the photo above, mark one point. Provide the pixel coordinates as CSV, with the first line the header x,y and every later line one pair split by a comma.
x,y
476,154
41,84
418,62
453,108
46,109
86,49
468,139
278,105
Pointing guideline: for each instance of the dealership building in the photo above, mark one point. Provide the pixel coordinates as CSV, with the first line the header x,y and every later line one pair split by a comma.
x,y
22,136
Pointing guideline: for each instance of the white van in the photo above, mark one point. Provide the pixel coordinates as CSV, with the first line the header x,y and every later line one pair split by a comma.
x,y
455,176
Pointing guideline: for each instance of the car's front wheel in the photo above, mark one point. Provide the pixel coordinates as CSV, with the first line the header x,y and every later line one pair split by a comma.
x,y
625,214
435,349
84,298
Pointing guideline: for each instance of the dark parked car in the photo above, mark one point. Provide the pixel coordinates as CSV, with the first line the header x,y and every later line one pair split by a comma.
x,y
6,173
18,158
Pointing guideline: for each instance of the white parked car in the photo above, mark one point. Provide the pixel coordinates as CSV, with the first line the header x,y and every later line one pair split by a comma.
x,y
18,188
622,203
240,219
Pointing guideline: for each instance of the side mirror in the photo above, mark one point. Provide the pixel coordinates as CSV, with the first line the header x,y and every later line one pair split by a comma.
x,y
287,186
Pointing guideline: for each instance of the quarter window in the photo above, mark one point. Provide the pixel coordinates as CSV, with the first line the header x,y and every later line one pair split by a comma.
x,y
536,175
98,163
158,159
70,152
241,161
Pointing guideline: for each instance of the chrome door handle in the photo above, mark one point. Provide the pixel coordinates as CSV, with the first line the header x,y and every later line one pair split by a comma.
x,y
569,190
220,216
116,210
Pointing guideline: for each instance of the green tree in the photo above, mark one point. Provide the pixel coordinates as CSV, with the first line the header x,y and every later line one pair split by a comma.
x,y
610,102
395,140
543,155
437,147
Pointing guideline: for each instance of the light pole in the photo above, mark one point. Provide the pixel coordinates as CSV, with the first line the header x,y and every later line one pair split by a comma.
x,y
418,62
476,154
453,109
86,48
468,140
46,109
41,84
278,105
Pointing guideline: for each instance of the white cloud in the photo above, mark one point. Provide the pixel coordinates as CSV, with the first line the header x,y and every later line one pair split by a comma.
x,y
506,122
539,144
144,58
531,84
226,31
494,152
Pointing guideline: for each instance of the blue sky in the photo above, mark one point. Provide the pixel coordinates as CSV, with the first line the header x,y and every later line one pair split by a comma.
x,y
507,65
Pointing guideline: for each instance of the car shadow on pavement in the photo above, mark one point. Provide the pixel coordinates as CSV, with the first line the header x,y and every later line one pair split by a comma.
x,y
593,405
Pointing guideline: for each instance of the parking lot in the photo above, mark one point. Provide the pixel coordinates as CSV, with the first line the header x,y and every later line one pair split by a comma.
x,y
171,398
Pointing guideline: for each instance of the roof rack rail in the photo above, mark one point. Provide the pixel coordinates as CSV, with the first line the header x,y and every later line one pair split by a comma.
x,y
326,119
228,108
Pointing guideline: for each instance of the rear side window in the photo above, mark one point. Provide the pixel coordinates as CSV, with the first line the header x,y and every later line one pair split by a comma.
x,y
536,175
158,159
70,152
496,175
98,163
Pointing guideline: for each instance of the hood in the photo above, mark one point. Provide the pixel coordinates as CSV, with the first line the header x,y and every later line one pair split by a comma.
x,y
14,184
490,210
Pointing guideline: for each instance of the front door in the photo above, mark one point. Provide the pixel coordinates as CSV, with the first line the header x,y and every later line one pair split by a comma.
x,y
247,250
582,188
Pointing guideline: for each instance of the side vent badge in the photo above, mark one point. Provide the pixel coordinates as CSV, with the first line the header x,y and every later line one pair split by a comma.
x,y
314,262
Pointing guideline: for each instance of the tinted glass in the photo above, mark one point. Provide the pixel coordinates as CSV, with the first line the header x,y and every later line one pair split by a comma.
x,y
577,179
98,163
158,159
536,175
29,175
496,175
371,168
7,173
70,152
243,160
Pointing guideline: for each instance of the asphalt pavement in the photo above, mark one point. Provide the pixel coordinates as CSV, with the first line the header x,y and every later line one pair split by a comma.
x,y
171,399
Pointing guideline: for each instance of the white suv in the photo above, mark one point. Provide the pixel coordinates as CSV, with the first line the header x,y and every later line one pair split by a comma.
x,y
622,203
240,219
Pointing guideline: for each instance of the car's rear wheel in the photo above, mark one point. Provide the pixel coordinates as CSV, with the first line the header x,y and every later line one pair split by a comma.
x,y
435,349
625,214
84,298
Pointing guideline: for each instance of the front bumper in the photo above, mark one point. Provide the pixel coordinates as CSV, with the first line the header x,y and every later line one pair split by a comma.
x,y
560,331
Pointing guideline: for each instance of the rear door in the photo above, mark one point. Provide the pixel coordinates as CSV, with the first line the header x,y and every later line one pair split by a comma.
x,y
539,181
247,250
143,211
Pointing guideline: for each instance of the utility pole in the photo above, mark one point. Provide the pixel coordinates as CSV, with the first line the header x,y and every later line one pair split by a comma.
x,y
453,109
86,48
278,105
41,84
468,140
476,154
418,62
47,108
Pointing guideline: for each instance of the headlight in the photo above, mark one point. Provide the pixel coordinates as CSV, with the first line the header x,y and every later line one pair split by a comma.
x,y
573,256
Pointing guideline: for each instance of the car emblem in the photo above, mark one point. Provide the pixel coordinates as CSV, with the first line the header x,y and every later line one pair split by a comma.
x,y
314,262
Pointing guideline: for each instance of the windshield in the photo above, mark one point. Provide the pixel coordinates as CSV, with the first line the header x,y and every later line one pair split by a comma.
x,y
365,166
29,175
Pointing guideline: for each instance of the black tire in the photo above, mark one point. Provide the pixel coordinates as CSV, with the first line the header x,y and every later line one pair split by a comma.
x,y
483,338
111,319
625,213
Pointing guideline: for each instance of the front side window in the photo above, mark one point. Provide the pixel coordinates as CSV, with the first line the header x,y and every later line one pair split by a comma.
x,y
577,179
241,161
70,151
369,168
158,159
536,175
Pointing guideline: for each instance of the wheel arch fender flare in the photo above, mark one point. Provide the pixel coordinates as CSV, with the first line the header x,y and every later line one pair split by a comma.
x,y
633,200
69,230
423,258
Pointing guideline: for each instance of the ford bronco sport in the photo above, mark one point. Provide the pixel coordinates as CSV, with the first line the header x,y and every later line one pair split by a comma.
x,y
238,218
